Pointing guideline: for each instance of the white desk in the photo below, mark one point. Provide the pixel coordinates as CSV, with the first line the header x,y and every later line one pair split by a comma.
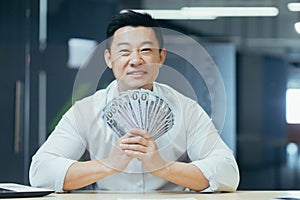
x,y
239,195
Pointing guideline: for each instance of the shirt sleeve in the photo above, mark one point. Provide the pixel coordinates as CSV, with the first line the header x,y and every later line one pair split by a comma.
x,y
63,147
209,153
221,170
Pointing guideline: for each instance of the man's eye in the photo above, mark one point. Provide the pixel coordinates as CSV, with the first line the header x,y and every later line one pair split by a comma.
x,y
146,50
124,51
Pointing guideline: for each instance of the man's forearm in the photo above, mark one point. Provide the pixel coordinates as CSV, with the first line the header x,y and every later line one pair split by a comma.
x,y
184,174
81,174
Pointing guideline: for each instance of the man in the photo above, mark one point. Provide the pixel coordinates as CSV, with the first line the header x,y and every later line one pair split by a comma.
x,y
191,155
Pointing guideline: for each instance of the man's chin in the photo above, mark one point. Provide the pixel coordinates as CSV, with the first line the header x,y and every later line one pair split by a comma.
x,y
136,86
147,86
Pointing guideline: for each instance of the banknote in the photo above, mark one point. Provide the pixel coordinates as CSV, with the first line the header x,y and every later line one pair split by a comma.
x,y
138,109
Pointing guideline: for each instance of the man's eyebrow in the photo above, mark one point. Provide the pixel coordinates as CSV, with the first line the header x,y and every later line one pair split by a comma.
x,y
123,43
143,43
147,42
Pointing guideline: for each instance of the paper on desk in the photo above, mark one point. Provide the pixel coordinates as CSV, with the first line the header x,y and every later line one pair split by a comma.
x,y
158,199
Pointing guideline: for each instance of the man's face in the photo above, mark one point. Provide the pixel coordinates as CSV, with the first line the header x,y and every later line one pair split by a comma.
x,y
134,57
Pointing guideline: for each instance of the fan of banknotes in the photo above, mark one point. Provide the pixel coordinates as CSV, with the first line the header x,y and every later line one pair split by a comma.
x,y
138,109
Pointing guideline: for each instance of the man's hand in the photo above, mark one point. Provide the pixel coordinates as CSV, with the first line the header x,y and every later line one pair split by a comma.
x,y
81,174
139,144
118,160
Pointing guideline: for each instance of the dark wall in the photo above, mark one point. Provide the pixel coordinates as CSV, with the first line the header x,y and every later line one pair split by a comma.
x,y
22,60
13,34
262,129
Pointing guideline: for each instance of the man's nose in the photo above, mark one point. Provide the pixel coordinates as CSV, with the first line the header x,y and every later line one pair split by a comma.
x,y
135,59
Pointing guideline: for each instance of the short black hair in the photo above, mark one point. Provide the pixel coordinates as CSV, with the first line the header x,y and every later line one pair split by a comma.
x,y
131,18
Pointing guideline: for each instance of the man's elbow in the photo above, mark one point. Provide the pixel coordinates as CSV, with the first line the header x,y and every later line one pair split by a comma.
x,y
228,177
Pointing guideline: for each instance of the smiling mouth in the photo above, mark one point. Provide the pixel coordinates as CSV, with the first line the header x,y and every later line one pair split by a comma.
x,y
137,73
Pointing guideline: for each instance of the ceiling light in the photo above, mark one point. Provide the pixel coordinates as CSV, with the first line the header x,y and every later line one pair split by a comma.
x,y
233,11
297,27
206,13
294,6
175,14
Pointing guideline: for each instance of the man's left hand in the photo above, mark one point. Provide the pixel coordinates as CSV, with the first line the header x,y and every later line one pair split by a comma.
x,y
142,146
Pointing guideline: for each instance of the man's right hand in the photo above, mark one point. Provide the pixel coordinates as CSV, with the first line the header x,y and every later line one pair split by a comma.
x,y
118,160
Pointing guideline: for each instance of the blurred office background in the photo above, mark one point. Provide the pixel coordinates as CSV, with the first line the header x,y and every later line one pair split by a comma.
x,y
44,42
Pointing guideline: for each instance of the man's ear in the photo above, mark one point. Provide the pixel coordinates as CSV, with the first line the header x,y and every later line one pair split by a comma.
x,y
107,57
162,55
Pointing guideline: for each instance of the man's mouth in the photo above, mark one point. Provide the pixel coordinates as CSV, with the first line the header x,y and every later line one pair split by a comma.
x,y
137,73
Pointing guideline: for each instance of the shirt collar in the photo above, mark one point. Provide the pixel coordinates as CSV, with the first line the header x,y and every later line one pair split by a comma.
x,y
113,92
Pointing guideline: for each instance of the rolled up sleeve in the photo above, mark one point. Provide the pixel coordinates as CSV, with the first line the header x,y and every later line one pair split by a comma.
x,y
49,171
221,171
51,162
210,154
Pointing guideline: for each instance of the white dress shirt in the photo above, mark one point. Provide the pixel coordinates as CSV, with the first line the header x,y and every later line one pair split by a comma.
x,y
192,139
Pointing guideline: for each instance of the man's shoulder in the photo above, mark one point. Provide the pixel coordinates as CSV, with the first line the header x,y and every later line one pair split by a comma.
x,y
99,95
91,98
168,90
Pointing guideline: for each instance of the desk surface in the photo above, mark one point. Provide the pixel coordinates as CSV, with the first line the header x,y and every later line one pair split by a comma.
x,y
239,195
